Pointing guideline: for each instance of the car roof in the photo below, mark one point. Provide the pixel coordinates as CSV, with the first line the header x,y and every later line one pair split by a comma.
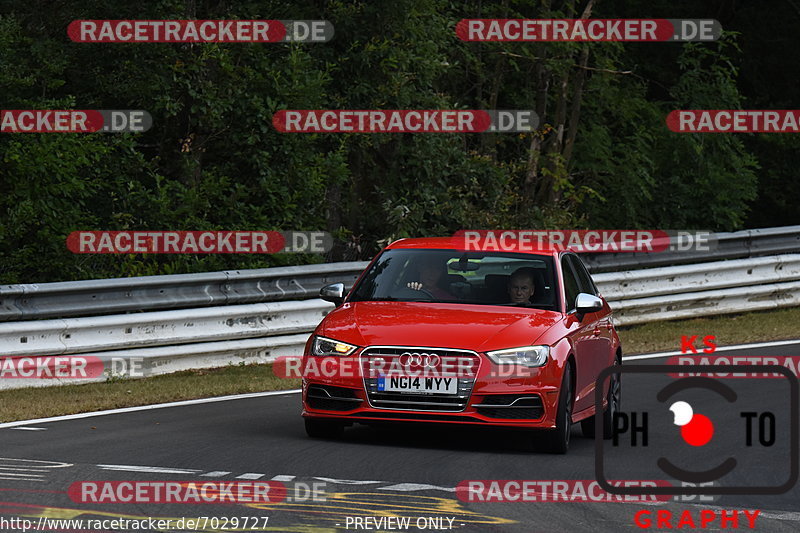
x,y
457,243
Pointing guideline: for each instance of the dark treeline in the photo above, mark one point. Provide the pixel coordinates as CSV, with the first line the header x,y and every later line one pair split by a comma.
x,y
603,157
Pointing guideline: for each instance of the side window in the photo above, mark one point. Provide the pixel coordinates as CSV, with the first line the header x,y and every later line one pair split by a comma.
x,y
584,280
571,289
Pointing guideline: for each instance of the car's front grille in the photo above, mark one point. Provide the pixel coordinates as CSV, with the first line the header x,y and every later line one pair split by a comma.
x,y
511,406
464,365
329,398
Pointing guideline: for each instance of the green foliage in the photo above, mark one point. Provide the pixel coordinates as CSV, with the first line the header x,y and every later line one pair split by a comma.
x,y
214,161
647,176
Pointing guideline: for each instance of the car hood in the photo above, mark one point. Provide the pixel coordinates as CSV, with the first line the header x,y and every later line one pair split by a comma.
x,y
468,327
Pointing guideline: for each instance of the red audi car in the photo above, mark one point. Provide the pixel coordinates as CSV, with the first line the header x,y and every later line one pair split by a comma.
x,y
433,333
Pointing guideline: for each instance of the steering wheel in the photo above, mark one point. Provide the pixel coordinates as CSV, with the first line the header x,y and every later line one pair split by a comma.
x,y
425,292
415,292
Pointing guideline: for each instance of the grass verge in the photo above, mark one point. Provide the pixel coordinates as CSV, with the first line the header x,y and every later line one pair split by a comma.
x,y
760,326
23,404
40,402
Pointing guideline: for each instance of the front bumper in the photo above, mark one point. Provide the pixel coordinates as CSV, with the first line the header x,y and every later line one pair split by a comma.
x,y
490,395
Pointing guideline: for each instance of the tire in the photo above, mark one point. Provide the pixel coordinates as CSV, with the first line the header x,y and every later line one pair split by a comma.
x,y
613,398
318,428
556,440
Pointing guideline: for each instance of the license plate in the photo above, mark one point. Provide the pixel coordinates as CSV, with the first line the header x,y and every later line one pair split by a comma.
x,y
437,385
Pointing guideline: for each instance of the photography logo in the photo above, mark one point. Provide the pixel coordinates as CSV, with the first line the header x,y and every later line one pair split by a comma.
x,y
716,438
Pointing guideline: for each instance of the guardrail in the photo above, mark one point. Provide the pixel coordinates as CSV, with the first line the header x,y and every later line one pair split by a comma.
x,y
650,282
669,293
636,297
161,328
210,289
178,291
734,245
216,333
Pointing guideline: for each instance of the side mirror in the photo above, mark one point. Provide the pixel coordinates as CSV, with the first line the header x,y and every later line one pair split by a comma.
x,y
333,293
587,303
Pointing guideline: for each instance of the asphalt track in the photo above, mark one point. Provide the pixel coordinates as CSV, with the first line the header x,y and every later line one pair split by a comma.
x,y
372,472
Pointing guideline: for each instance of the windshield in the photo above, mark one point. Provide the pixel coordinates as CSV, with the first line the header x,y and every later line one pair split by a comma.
x,y
453,276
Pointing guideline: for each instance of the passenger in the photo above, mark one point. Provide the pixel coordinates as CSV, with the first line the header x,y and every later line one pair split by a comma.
x,y
521,286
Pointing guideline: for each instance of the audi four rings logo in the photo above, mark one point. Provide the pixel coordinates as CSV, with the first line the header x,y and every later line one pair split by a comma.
x,y
414,359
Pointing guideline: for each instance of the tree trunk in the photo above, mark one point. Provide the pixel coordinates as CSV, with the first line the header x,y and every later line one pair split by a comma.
x,y
542,77
577,94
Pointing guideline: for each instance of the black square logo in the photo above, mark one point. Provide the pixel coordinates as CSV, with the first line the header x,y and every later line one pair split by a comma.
x,y
708,429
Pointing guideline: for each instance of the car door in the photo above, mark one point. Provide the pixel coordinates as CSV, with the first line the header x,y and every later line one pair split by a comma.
x,y
580,335
597,326
602,338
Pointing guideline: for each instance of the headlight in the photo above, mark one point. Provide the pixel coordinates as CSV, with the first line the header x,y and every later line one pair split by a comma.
x,y
525,356
324,346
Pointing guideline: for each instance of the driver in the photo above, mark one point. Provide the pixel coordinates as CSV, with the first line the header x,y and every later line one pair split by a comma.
x,y
521,286
431,270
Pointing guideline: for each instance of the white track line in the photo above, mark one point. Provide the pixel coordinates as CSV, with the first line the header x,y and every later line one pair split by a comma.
x,y
148,469
295,391
146,408
719,349
251,475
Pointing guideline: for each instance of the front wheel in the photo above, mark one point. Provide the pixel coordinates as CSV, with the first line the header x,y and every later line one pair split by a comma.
x,y
557,440
613,398
318,428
